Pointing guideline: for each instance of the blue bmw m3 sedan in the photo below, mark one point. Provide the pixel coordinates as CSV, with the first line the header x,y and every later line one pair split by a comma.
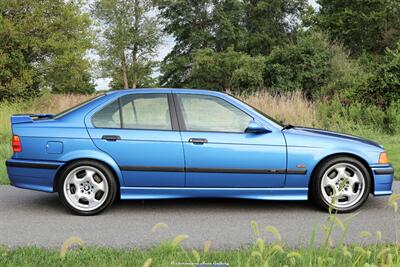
x,y
181,143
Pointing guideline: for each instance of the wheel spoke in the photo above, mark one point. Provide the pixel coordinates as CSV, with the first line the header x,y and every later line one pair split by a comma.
x,y
341,172
350,195
93,202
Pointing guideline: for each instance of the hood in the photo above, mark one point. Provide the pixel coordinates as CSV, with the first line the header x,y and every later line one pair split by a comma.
x,y
324,133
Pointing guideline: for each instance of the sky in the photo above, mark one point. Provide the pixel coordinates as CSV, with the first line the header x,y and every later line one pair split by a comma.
x,y
164,49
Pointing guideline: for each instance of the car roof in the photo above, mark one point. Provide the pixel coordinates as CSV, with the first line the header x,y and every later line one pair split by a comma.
x,y
164,90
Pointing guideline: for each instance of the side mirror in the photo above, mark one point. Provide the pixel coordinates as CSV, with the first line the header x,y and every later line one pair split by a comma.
x,y
255,128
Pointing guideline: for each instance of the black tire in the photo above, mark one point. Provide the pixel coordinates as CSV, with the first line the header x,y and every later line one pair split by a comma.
x,y
315,186
108,174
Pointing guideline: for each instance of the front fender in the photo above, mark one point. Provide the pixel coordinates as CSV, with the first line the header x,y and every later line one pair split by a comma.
x,y
309,157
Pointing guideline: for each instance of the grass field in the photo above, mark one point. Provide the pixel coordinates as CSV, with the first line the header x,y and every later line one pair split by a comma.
x,y
267,250
166,255
291,108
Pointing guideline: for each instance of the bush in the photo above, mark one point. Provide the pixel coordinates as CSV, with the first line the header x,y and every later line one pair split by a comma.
x,y
300,66
229,70
384,86
334,115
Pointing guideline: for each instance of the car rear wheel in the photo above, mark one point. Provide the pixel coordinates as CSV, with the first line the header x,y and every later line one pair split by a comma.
x,y
341,183
87,187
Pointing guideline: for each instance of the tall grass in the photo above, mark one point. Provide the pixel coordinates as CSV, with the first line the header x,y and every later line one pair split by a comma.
x,y
47,103
289,108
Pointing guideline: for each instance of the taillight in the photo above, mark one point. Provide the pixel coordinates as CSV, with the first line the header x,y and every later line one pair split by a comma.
x,y
16,143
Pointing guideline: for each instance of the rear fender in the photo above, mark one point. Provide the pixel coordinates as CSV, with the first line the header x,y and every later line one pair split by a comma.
x,y
94,155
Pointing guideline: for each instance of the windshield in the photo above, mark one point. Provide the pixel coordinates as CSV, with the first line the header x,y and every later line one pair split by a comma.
x,y
65,112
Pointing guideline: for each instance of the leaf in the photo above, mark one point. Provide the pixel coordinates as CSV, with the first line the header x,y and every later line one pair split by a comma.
x,y
261,244
378,235
256,254
337,221
382,253
255,228
294,254
68,243
365,234
277,248
178,240
346,252
360,250
148,262
196,255
275,232
159,226
393,201
207,246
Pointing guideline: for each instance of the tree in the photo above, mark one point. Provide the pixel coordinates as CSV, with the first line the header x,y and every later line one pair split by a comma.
x,y
271,23
129,40
383,87
302,66
362,25
190,23
42,44
229,70
250,26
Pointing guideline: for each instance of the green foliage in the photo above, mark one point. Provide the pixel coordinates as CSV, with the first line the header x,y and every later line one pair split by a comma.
x,y
362,25
129,39
42,44
384,85
334,115
253,27
345,76
229,70
270,23
190,23
300,66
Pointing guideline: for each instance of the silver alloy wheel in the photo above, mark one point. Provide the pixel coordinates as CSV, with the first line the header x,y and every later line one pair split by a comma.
x,y
85,188
342,185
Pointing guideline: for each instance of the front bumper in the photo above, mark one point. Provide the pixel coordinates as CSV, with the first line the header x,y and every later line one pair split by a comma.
x,y
35,175
383,179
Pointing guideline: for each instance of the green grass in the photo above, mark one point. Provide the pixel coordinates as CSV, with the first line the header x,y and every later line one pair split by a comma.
x,y
166,255
391,144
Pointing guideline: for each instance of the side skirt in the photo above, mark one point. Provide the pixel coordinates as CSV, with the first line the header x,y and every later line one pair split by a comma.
x,y
196,192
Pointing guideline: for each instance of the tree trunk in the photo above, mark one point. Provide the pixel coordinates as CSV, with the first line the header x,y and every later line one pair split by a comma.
x,y
136,30
135,69
124,71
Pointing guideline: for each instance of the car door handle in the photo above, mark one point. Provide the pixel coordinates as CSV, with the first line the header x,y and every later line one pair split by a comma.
x,y
111,137
199,141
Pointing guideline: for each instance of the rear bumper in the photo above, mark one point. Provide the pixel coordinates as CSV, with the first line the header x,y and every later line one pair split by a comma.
x,y
35,175
383,179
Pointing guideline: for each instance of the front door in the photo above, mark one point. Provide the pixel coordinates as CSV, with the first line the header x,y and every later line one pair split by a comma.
x,y
218,152
139,133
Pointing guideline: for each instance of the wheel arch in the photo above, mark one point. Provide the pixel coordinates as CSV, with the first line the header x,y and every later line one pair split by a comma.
x,y
341,154
117,173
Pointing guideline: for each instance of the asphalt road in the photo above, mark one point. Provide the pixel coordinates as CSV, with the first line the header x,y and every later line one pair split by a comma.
x,y
34,218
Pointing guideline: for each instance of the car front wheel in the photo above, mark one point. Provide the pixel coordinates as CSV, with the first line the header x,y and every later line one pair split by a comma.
x,y
341,183
87,187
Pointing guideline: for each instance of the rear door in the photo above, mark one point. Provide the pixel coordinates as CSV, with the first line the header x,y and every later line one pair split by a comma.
x,y
140,132
218,151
